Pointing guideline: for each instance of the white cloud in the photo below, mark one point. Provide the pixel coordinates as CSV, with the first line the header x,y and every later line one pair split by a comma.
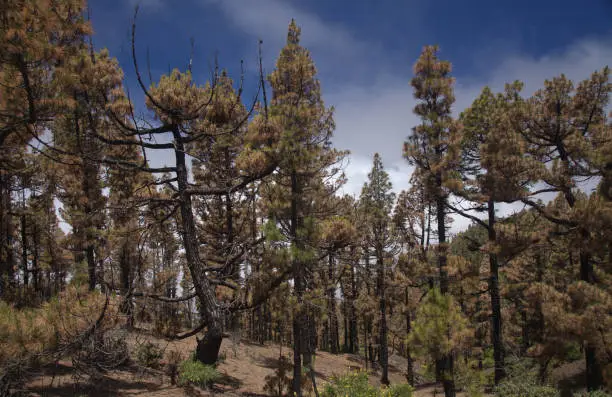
x,y
377,118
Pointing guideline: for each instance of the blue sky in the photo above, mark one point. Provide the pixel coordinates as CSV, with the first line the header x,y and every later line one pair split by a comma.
x,y
364,51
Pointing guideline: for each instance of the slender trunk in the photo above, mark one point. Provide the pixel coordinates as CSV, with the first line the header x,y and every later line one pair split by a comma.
x,y
353,330
91,266
124,266
298,280
445,364
409,362
35,260
384,351
365,342
496,320
345,314
334,343
207,348
24,248
7,277
594,373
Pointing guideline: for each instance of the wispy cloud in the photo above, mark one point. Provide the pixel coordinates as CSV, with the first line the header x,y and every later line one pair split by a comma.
x,y
334,48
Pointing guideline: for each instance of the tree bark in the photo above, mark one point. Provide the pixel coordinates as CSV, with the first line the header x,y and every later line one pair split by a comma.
x,y
409,362
384,350
445,364
496,320
594,373
207,348
298,280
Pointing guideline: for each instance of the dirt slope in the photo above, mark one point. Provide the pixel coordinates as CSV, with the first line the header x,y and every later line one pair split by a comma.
x,y
244,368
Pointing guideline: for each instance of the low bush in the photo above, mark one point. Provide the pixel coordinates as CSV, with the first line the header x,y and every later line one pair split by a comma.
x,y
399,390
524,387
195,373
597,393
357,384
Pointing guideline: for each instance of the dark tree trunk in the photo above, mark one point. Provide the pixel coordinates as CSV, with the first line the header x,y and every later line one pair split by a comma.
x,y
353,330
35,263
7,276
384,350
299,337
91,266
496,320
24,248
409,362
594,373
208,347
445,364
334,342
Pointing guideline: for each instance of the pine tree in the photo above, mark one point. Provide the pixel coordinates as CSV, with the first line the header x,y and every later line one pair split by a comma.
x,y
561,125
492,170
377,200
427,148
306,159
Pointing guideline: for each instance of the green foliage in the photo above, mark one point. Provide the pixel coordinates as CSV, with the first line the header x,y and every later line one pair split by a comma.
x,y
471,379
572,352
517,387
149,355
399,390
440,328
353,384
596,393
522,381
356,384
271,231
195,373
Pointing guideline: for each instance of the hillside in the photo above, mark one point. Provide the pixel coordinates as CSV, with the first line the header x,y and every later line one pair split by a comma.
x,y
243,369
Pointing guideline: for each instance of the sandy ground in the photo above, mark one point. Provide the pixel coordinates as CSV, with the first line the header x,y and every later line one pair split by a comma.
x,y
243,373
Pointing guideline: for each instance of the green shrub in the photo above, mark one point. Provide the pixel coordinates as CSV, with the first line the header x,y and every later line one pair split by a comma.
x,y
471,379
572,352
524,387
149,355
354,384
399,390
198,374
597,393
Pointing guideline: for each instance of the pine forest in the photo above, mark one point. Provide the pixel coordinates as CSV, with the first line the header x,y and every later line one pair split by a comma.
x,y
239,266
